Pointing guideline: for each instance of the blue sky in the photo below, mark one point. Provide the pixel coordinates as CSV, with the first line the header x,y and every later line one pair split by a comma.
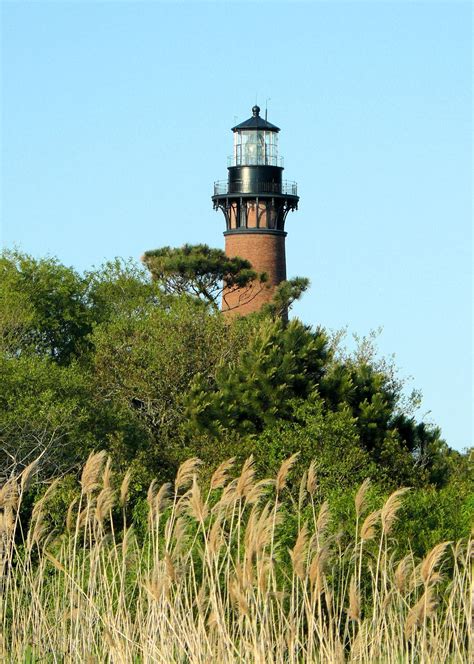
x,y
115,123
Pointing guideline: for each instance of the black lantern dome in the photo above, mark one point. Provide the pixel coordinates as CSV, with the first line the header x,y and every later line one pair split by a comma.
x,y
255,142
255,180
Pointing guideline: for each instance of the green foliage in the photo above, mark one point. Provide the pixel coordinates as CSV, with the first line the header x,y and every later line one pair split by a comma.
x,y
50,315
115,360
280,363
121,288
430,516
405,451
44,411
329,438
285,296
200,271
145,364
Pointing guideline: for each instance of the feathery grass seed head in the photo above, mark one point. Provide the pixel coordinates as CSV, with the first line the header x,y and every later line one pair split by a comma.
x,y
298,553
284,470
367,531
431,561
354,600
245,481
360,497
311,483
221,474
27,474
124,487
186,472
388,513
91,471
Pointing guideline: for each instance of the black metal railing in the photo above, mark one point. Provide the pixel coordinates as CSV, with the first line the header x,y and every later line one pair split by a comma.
x,y
286,188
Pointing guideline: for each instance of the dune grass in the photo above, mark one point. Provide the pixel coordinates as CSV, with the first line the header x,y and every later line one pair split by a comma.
x,y
228,571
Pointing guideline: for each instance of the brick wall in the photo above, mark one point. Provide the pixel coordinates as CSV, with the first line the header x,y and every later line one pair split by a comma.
x,y
266,252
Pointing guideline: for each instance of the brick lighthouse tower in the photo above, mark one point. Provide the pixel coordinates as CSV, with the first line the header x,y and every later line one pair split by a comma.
x,y
255,201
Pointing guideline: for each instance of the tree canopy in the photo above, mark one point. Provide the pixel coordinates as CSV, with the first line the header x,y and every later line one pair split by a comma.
x,y
151,370
203,272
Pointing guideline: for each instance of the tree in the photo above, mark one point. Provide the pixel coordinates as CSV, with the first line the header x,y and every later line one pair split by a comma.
x,y
406,451
145,363
285,295
121,288
329,440
278,364
49,402
50,314
154,373
202,272
46,412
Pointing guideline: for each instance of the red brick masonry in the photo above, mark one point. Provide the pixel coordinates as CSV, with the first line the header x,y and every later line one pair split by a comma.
x,y
266,252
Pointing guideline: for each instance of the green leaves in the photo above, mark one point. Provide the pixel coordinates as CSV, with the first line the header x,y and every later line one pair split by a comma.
x,y
51,316
200,271
44,412
280,363
153,371
285,295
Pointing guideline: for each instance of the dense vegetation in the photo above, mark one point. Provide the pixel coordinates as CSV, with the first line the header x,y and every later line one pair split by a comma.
x,y
150,372
226,571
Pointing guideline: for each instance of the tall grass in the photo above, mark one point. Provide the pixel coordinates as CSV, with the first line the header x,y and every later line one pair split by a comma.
x,y
227,571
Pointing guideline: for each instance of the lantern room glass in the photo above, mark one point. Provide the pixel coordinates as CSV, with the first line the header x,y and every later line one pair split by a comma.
x,y
255,148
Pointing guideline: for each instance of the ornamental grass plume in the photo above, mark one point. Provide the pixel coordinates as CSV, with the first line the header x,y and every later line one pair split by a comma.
x,y
221,474
216,536
105,502
430,562
258,491
245,481
259,530
186,472
402,573
311,483
353,611
317,568
423,609
238,598
367,531
388,513
284,470
37,531
150,494
27,474
360,497
10,494
196,506
91,471
224,579
228,496
162,500
302,490
7,522
298,553
70,515
124,488
107,474
324,516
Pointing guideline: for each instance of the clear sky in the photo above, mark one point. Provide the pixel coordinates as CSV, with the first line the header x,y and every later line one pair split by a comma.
x,y
115,123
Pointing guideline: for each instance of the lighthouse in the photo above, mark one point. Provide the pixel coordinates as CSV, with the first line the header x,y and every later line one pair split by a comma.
x,y
255,201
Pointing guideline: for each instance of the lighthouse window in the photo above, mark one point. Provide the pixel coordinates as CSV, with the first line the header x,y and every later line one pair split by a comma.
x,y
243,216
271,216
255,148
